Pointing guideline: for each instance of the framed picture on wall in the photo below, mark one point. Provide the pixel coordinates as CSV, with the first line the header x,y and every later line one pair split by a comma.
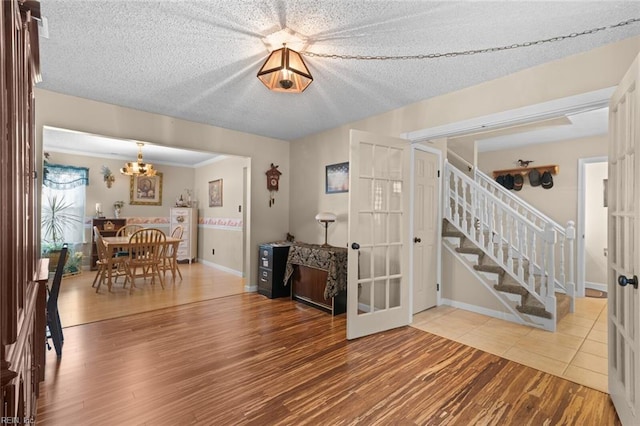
x,y
146,190
337,178
215,193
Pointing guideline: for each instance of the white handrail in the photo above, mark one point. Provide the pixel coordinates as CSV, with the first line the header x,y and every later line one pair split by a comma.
x,y
565,234
498,223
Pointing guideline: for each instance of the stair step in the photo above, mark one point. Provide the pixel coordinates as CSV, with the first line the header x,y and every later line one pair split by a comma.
x,y
563,305
511,288
470,250
537,311
489,268
457,234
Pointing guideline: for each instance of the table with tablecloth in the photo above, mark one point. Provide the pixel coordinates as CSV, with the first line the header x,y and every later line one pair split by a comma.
x,y
327,258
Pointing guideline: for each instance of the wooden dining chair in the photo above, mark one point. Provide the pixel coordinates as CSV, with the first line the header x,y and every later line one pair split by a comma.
x,y
145,254
169,262
108,264
128,230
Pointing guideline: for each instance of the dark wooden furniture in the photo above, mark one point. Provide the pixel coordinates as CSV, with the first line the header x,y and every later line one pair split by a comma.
x,y
53,317
21,305
117,224
307,286
319,276
272,258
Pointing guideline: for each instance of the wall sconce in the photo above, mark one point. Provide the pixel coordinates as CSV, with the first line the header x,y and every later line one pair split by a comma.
x,y
326,218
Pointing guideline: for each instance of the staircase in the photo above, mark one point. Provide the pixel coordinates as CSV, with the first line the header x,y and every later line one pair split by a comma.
x,y
519,260
515,297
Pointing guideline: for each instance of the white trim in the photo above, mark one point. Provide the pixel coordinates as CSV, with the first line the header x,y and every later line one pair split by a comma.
x,y
438,153
580,255
250,288
537,112
596,286
221,268
483,311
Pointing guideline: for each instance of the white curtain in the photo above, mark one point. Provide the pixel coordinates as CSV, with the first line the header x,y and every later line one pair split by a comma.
x,y
63,203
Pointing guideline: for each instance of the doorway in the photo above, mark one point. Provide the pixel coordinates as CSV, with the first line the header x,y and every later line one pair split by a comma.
x,y
592,247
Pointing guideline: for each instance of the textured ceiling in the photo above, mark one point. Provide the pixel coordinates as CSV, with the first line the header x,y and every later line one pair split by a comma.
x,y
198,60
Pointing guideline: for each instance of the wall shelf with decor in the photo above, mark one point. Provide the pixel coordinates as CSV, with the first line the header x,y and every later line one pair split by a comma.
x,y
554,169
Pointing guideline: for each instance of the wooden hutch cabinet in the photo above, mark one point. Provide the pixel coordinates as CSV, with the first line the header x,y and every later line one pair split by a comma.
x,y
117,224
22,289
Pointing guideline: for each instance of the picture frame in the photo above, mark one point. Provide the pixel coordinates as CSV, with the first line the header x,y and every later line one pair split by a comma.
x,y
337,178
215,193
145,190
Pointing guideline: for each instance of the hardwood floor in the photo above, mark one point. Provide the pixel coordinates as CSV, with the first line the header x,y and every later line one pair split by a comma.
x,y
80,304
250,360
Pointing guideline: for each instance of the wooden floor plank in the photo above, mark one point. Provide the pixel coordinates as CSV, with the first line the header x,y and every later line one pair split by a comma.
x,y
254,361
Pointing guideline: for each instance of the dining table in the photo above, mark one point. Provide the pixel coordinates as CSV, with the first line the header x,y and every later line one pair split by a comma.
x,y
115,244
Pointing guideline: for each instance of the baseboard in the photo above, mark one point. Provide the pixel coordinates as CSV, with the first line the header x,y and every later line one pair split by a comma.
x,y
222,268
595,286
480,310
250,288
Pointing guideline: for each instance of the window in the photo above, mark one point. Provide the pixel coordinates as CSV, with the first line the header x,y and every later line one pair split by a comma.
x,y
63,201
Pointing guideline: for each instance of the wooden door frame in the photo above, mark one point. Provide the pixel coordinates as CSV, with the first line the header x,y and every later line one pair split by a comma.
x,y
438,153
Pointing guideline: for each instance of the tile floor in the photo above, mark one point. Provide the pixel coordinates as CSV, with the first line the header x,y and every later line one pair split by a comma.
x,y
576,352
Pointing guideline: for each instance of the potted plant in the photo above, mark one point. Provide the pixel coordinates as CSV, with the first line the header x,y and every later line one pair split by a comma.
x,y
108,177
57,216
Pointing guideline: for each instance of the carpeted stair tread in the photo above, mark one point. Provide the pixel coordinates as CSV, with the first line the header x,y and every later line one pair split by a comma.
x,y
456,234
470,250
563,305
537,311
489,268
511,288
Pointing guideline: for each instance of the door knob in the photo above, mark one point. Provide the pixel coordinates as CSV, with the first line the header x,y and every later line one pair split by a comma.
x,y
417,240
623,281
355,246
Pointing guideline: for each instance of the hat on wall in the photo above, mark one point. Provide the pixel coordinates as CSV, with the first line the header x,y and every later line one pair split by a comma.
x,y
534,177
518,180
508,181
500,180
547,180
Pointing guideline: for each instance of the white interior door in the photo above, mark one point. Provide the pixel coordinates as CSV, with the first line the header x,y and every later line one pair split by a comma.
x,y
624,246
425,229
378,287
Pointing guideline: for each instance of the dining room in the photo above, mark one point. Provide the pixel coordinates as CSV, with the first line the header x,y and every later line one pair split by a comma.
x,y
205,261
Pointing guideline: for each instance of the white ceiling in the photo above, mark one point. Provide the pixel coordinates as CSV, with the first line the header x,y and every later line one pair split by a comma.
x,y
198,60
78,143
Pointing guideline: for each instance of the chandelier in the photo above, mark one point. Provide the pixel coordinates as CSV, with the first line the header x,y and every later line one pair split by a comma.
x,y
139,167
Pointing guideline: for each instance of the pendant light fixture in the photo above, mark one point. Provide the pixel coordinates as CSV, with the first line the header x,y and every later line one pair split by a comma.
x,y
139,167
285,71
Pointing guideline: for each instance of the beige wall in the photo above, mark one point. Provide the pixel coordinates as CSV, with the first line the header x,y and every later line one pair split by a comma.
x,y
227,241
560,203
468,288
266,224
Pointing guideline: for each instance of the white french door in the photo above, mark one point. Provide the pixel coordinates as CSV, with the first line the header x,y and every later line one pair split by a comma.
x,y
624,246
378,274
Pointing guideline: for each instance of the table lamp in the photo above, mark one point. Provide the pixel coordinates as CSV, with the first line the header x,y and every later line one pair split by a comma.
x,y
326,218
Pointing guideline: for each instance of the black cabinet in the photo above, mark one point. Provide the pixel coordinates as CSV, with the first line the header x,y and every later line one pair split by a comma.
x,y
272,261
